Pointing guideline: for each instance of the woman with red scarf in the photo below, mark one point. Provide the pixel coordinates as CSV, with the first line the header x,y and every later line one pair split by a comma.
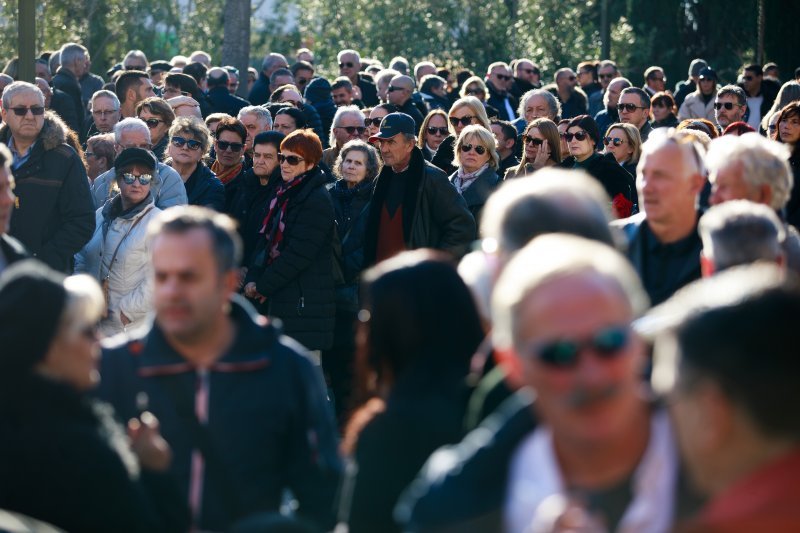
x,y
291,274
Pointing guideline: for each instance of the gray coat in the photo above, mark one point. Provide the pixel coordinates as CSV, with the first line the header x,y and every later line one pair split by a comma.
x,y
167,187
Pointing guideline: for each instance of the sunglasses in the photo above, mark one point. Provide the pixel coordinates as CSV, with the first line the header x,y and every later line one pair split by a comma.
x,y
502,77
530,71
301,81
564,353
353,129
726,105
616,141
130,179
373,122
190,143
605,76
572,78
225,145
103,112
474,92
153,122
346,65
293,160
392,89
527,139
480,150
465,121
629,107
21,111
433,131
136,67
580,136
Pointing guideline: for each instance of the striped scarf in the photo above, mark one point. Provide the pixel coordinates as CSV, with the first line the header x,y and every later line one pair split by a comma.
x,y
274,225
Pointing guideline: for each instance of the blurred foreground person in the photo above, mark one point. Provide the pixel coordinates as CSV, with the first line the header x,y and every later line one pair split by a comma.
x,y
420,328
726,354
240,404
63,458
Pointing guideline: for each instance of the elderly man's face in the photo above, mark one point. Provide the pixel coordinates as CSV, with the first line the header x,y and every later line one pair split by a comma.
x,y
728,183
349,127
501,78
666,186
105,114
657,81
726,116
25,126
592,397
349,66
537,107
254,126
605,74
398,92
133,139
567,81
611,97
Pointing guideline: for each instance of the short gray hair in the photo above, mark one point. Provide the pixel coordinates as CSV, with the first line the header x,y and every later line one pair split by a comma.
x,y
20,87
194,127
736,91
551,257
340,114
761,162
130,124
271,59
373,163
261,112
138,54
552,102
71,52
105,94
741,232
348,52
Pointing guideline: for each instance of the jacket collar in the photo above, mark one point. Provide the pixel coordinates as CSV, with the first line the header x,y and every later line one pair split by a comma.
x,y
481,188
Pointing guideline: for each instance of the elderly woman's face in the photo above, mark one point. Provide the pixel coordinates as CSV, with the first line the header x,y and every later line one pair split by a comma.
x,y
293,165
265,159
73,357
354,167
474,154
284,123
95,165
185,148
131,188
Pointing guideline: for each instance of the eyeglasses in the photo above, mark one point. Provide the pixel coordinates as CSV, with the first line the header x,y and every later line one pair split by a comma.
x,y
373,122
190,143
616,141
480,150
580,136
130,179
465,121
21,111
606,76
630,108
726,105
353,129
441,131
527,139
502,77
564,353
104,112
347,64
293,160
153,122
392,89
233,147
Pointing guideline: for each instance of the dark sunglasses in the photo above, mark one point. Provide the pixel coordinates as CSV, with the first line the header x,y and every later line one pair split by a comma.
x,y
441,131
153,122
130,179
503,77
726,105
629,107
564,353
572,78
530,71
580,136
21,111
373,122
225,145
474,92
293,160
480,150
616,141
346,65
605,76
190,143
392,89
136,67
465,121
353,129
527,139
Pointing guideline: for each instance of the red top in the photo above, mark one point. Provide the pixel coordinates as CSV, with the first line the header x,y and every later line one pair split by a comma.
x,y
391,240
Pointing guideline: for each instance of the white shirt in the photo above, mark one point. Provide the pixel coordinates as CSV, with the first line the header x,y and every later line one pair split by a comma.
x,y
534,476
754,105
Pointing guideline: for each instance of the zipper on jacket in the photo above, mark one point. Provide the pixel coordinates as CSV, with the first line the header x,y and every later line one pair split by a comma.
x,y
301,302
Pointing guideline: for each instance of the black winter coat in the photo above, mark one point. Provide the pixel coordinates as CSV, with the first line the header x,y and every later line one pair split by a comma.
x,y
369,93
65,81
478,191
204,188
614,179
222,101
351,207
54,216
247,201
259,92
443,158
299,284
314,121
64,460
318,94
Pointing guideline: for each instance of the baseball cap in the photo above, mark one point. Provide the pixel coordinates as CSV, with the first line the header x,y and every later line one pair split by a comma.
x,y
394,124
708,74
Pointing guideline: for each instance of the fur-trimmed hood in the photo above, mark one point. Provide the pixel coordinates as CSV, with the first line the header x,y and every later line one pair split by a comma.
x,y
53,134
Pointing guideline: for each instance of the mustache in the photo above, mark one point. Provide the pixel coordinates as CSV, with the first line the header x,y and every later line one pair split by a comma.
x,y
582,397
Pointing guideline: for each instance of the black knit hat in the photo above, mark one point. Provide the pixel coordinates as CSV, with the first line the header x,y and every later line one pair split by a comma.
x,y
135,156
32,300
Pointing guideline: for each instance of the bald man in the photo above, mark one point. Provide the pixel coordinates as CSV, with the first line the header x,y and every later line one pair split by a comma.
x,y
399,93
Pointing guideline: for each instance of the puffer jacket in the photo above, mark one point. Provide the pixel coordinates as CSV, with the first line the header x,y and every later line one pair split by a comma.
x,y
694,107
167,187
129,282
54,214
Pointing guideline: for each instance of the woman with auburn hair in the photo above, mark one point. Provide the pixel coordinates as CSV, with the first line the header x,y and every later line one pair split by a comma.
x,y
542,148
291,272
788,133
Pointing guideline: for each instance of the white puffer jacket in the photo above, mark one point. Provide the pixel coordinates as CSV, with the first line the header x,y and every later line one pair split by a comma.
x,y
130,281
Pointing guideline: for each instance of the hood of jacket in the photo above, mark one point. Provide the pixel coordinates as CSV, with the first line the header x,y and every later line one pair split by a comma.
x,y
52,135
318,90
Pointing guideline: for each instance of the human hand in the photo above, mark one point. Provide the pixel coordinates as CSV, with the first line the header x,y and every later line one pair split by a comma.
x,y
147,443
251,292
542,155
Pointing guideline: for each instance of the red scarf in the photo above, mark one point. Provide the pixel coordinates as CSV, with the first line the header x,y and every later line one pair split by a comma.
x,y
225,176
273,225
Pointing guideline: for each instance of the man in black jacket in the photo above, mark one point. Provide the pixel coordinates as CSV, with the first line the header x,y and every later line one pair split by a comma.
x,y
259,93
400,93
498,81
74,64
350,66
54,212
414,204
222,101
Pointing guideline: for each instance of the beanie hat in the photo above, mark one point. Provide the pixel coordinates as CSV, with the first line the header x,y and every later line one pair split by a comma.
x,y
32,300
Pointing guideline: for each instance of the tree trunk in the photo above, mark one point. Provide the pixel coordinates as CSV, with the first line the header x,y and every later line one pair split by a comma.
x,y
236,39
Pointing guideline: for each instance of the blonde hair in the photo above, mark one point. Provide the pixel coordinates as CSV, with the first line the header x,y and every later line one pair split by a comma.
x,y
486,138
473,79
474,105
633,136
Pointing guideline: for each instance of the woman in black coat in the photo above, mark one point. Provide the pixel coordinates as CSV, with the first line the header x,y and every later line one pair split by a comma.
x,y
63,457
290,275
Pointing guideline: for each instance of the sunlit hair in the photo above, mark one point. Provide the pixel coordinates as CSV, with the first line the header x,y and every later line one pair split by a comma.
x,y
633,137
423,132
194,127
476,108
470,81
84,305
548,129
470,135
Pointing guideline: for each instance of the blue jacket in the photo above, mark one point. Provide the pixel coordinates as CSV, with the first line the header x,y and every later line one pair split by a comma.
x,y
268,419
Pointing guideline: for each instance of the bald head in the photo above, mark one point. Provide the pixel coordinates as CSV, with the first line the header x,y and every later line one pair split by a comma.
x,y
400,89
217,77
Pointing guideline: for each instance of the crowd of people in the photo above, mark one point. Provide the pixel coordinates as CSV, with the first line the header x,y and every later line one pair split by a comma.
x,y
404,299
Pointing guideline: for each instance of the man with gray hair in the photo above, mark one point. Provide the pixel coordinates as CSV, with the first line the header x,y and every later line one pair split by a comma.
x,y
730,106
53,212
350,66
348,124
422,69
255,119
663,244
259,93
750,167
135,60
74,65
538,103
382,81
740,232
104,106
167,186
